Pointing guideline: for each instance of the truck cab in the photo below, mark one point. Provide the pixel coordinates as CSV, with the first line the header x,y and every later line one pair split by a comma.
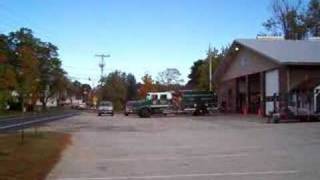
x,y
159,99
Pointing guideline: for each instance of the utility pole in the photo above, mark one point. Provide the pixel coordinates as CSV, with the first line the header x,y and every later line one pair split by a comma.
x,y
102,63
210,68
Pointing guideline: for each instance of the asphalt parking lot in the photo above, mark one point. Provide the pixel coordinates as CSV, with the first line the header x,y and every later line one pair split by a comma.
x,y
229,147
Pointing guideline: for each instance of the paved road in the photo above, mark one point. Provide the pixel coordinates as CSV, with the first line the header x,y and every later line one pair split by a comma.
x,y
21,122
187,148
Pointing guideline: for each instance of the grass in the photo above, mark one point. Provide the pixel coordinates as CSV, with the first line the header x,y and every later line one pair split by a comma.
x,y
9,113
33,159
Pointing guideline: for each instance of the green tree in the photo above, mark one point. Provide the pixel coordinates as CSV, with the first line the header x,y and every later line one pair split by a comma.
x,y
8,80
8,83
199,76
132,89
115,89
85,90
194,74
52,76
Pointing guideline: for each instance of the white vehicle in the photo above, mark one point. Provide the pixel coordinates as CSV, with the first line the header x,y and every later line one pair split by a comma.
x,y
105,107
82,106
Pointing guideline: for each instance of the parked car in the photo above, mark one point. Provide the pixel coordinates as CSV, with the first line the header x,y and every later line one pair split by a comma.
x,y
82,106
105,107
129,107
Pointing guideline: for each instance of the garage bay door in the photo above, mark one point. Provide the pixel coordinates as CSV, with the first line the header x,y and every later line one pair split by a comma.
x,y
272,87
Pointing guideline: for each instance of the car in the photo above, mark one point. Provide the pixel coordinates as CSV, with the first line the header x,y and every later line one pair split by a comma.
x,y
105,107
129,108
82,106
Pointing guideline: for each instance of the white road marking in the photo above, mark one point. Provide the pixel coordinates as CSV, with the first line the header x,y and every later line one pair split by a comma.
x,y
286,172
175,157
243,148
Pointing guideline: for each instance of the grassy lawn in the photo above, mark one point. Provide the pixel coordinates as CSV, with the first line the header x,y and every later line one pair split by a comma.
x,y
34,158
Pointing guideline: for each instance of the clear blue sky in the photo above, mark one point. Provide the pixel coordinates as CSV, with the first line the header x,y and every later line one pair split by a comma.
x,y
141,35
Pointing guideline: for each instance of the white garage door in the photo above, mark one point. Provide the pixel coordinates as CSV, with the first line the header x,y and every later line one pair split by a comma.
x,y
272,86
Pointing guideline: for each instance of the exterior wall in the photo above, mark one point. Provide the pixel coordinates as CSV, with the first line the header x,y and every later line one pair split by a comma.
x,y
227,95
248,62
299,74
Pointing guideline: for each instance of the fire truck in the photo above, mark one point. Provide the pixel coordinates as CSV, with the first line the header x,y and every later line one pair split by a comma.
x,y
176,102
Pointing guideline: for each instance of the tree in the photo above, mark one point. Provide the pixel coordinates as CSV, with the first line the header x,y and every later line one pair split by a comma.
x,y
199,76
8,83
85,90
41,58
115,89
23,58
287,19
194,74
313,17
147,86
52,78
28,76
170,76
132,89
32,66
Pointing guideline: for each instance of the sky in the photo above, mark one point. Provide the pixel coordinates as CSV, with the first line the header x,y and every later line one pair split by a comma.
x,y
142,36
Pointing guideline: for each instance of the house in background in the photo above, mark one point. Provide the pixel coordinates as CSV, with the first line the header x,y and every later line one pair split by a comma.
x,y
261,76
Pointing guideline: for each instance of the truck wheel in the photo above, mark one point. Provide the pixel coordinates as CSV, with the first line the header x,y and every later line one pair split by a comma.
x,y
196,112
144,113
205,111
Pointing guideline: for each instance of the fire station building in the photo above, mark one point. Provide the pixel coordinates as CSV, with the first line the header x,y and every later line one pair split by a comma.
x,y
261,76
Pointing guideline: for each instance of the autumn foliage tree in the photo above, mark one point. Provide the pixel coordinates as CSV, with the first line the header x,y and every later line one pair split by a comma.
x,y
146,86
29,68
27,76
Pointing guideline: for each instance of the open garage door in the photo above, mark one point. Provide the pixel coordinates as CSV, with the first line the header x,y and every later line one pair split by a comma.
x,y
272,87
317,100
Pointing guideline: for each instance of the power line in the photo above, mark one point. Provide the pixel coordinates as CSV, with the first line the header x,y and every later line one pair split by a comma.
x,y
86,68
102,63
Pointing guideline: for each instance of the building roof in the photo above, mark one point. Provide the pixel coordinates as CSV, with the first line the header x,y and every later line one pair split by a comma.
x,y
285,51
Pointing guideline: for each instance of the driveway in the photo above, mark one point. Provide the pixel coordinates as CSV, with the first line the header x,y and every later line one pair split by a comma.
x,y
185,148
